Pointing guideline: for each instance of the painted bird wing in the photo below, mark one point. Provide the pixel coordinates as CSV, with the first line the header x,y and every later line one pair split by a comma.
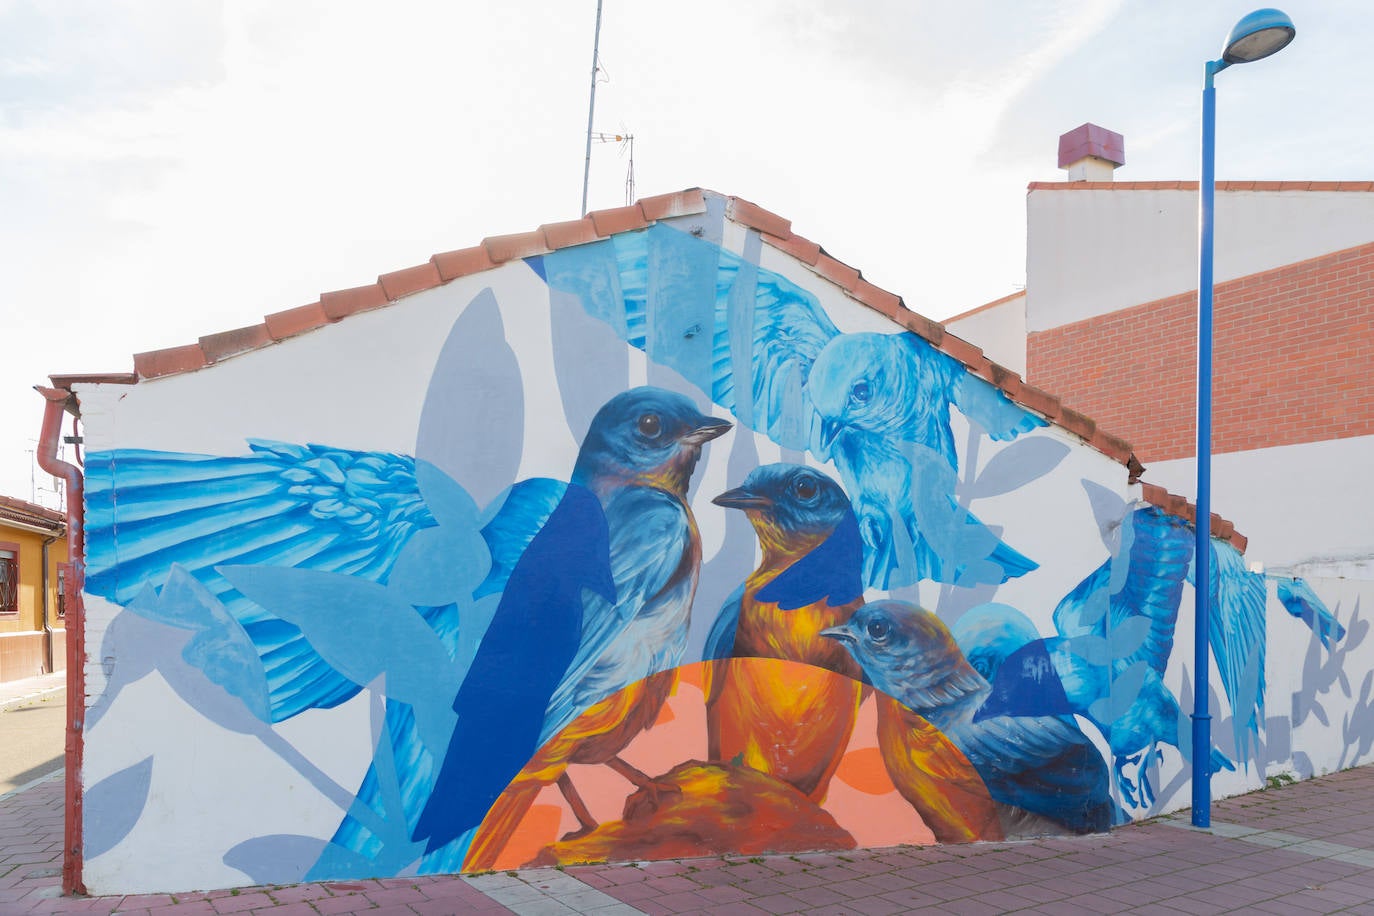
x,y
1125,611
1236,633
987,406
720,643
1043,764
305,506
651,538
1299,600
745,336
524,654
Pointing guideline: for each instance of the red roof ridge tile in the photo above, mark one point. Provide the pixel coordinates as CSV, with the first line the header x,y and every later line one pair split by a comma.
x,y
445,267
1179,506
1019,294
1193,186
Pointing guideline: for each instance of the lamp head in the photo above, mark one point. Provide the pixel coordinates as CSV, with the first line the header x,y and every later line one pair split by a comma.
x,y
1258,35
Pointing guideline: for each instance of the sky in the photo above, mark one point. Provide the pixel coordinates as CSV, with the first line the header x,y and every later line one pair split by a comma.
x,y
174,168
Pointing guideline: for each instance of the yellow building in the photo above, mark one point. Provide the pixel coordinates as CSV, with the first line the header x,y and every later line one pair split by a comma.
x,y
33,557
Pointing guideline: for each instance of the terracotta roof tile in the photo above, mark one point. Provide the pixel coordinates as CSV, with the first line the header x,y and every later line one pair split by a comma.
x,y
344,302
1218,527
1077,423
461,263
503,248
573,232
230,343
619,219
409,280
27,513
1042,402
774,229
291,322
157,363
876,298
1112,446
667,206
805,251
751,214
931,331
960,349
837,272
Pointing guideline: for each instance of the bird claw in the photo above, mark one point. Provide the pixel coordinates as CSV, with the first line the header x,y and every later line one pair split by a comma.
x,y
1135,792
579,833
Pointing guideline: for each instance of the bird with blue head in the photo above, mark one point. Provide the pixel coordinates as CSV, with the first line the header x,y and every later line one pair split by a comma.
x,y
810,577
1040,772
637,458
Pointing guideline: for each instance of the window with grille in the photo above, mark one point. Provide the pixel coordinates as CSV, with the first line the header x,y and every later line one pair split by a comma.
x,y
61,590
9,581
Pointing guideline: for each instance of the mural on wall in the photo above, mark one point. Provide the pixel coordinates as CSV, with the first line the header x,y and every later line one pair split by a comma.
x,y
558,669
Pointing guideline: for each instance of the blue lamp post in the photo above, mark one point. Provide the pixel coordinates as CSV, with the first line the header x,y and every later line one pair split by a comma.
x,y
1258,35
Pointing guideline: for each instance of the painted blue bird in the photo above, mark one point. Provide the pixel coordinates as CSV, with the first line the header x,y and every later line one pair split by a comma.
x,y
1042,772
1298,598
763,348
1116,634
637,459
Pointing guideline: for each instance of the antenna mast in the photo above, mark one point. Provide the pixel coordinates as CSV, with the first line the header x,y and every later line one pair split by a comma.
x,y
591,106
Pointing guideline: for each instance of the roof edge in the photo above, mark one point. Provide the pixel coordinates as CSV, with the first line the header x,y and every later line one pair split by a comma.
x,y
1178,506
1193,186
986,306
32,515
443,268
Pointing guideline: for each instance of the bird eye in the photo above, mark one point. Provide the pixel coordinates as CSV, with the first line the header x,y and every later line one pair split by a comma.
x,y
650,425
805,487
861,392
877,630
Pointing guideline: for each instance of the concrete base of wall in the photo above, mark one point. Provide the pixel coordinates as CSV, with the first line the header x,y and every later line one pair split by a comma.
x,y
22,655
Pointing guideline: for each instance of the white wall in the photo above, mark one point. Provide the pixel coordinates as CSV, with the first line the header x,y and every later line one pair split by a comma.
x,y
1000,329
1301,506
1091,252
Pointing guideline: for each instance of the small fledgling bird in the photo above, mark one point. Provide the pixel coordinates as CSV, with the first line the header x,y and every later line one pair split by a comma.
x,y
1042,772
810,578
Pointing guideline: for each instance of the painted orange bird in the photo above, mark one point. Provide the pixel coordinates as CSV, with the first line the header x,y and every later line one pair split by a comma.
x,y
797,727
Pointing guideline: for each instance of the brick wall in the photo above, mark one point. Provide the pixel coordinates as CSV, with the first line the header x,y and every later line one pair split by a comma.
x,y
1293,351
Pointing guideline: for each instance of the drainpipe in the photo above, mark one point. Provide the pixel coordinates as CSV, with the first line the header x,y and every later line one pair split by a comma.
x,y
76,630
47,620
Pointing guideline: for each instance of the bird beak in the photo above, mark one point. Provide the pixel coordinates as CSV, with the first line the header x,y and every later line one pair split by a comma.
x,y
710,428
840,634
740,498
830,430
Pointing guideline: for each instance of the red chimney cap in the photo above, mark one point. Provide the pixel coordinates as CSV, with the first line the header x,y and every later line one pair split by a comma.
x,y
1091,140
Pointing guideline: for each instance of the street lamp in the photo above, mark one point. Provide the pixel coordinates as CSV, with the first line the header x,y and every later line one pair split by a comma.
x,y
1256,36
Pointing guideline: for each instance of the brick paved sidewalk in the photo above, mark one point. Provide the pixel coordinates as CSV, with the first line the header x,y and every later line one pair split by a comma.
x,y
1305,848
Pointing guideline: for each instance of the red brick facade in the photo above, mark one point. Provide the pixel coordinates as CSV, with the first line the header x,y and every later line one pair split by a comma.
x,y
1293,352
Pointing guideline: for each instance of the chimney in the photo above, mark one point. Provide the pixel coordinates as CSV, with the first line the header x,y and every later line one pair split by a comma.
x,y
1091,153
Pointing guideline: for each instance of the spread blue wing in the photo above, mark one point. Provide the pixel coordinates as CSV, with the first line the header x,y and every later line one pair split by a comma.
x,y
310,507
514,519
1132,599
987,406
1236,633
747,337
650,536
